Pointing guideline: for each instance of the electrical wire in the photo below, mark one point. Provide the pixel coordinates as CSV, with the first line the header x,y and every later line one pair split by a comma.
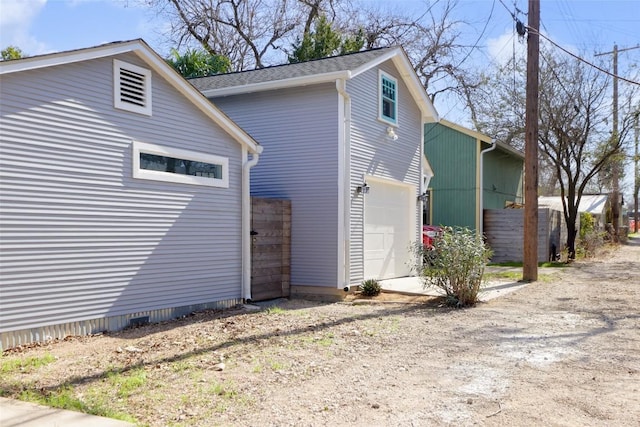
x,y
580,58
475,45
513,15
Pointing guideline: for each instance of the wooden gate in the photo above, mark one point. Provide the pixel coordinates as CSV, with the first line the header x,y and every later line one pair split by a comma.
x,y
270,248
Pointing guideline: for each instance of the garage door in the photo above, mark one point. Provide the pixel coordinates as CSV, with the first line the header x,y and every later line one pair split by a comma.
x,y
389,228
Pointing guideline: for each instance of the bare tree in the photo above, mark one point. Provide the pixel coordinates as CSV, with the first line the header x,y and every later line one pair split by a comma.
x,y
431,38
573,110
248,32
257,33
575,141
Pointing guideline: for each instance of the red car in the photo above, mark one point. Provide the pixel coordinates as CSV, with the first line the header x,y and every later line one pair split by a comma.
x,y
429,233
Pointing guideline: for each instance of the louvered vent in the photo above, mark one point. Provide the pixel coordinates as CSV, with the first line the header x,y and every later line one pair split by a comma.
x,y
132,88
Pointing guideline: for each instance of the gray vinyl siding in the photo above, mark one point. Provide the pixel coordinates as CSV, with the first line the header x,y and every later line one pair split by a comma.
x,y
298,128
80,238
373,153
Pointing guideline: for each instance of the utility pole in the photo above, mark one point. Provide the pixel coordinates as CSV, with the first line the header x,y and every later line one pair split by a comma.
x,y
615,139
530,258
636,182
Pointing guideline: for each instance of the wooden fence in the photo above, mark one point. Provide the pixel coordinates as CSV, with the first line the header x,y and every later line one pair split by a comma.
x,y
504,232
270,248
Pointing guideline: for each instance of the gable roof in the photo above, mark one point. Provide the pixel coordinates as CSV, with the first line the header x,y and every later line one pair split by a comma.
x,y
482,137
318,71
150,57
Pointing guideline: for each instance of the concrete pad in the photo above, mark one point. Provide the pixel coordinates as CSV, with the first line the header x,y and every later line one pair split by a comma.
x,y
24,414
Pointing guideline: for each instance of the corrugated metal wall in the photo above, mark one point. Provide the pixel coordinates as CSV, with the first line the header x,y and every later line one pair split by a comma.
x,y
374,153
299,130
453,158
81,239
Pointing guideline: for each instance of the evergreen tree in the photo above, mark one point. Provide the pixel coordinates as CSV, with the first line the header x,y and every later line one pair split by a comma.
x,y
324,41
198,63
11,52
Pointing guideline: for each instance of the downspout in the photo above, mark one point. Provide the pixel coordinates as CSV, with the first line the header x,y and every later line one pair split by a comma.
x,y
345,187
481,198
246,220
422,187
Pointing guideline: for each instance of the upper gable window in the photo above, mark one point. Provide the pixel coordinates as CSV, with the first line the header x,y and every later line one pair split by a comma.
x,y
132,88
388,98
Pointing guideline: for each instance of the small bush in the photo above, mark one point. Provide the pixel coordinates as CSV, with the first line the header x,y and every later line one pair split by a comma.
x,y
590,238
454,265
370,288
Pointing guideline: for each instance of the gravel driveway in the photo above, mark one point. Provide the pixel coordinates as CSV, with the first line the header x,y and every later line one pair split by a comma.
x,y
563,351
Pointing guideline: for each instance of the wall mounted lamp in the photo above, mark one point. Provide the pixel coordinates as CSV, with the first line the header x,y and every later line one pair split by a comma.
x,y
363,189
391,133
423,197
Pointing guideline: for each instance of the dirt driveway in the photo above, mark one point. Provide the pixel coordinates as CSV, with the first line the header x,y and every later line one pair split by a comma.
x,y
564,351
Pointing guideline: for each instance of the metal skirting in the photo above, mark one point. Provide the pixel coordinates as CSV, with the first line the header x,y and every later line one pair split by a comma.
x,y
17,338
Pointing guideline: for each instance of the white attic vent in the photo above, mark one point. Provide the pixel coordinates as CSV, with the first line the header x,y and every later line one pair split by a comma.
x,y
132,88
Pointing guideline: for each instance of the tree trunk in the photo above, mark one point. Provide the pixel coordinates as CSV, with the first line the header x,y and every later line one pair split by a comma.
x,y
571,239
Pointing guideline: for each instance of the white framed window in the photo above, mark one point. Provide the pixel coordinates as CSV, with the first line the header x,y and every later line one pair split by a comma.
x,y
131,88
158,163
388,98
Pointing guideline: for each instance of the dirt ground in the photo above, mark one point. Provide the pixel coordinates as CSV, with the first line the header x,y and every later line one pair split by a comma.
x,y
561,352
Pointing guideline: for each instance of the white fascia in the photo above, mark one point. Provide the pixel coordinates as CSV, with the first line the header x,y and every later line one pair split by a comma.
x,y
198,99
68,57
278,84
402,63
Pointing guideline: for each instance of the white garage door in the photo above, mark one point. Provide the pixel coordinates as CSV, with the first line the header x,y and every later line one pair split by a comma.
x,y
389,228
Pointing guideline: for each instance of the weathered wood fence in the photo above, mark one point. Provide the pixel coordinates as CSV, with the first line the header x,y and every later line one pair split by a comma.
x,y
504,232
270,248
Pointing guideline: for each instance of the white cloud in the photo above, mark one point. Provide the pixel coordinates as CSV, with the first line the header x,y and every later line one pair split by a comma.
x,y
16,17
19,12
501,49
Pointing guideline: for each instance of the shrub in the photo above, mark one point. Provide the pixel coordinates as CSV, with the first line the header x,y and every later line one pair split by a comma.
x,y
590,238
454,265
370,288
587,224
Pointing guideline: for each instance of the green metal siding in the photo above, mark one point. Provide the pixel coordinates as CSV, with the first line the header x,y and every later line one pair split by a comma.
x,y
503,179
453,158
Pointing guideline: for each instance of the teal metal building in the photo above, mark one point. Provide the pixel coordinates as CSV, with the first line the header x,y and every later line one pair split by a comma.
x,y
471,173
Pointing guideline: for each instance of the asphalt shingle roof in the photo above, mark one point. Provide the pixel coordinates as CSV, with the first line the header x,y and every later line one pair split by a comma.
x,y
288,71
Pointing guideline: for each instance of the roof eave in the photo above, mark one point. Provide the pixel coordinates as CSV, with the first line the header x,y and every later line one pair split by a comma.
x,y
278,84
509,149
198,99
429,113
402,63
466,131
69,57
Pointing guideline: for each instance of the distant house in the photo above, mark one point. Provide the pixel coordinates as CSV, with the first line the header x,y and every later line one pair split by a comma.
x,y
595,204
125,195
471,173
343,141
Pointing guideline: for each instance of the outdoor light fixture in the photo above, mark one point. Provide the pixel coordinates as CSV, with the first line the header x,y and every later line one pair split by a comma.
x,y
392,133
423,197
363,189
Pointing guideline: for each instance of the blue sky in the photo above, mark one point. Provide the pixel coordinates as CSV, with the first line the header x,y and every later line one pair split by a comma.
x,y
41,26
583,26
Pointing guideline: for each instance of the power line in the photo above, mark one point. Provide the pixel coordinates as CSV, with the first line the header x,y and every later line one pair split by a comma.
x,y
475,45
582,59
513,14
